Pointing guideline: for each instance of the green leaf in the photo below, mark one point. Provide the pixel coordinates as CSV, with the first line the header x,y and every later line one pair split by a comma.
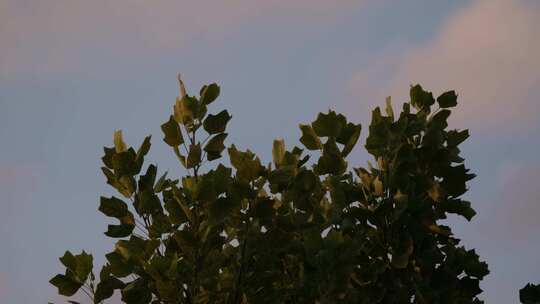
x,y
127,183
160,225
439,229
136,249
182,203
106,287
214,124
379,133
114,182
194,156
310,140
209,93
454,180
164,266
124,163
248,166
176,214
439,120
173,134
349,137
147,202
221,177
143,149
84,265
460,207
118,265
119,231
455,137
146,181
331,161
472,265
136,292
107,158
69,260
329,124
79,265
447,99
282,175
113,207
66,286
161,184
215,146
186,110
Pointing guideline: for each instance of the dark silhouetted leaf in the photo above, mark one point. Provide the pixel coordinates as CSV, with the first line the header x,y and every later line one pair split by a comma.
x,y
173,134
215,146
66,286
329,124
214,124
194,156
530,294
209,93
309,138
447,99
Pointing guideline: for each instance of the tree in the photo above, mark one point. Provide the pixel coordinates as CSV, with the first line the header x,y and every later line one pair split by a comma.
x,y
293,230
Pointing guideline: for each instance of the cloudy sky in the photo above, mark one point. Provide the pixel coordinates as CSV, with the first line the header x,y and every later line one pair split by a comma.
x,y
72,71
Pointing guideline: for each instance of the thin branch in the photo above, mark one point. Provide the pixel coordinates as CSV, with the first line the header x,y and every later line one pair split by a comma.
x,y
87,293
137,221
204,141
143,231
183,142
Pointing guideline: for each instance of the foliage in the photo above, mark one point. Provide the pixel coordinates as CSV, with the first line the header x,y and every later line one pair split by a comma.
x,y
291,231
530,294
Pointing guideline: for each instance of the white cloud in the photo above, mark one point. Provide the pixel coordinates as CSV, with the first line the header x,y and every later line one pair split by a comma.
x,y
488,52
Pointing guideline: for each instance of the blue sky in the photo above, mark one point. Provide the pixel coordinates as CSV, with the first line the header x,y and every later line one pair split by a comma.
x,y
72,71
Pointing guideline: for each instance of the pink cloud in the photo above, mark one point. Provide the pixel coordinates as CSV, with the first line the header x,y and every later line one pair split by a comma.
x,y
47,37
487,52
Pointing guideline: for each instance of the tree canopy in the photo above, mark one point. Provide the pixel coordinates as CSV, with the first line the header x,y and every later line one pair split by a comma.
x,y
303,228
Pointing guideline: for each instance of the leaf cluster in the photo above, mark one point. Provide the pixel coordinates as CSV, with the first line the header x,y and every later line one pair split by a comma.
x,y
289,231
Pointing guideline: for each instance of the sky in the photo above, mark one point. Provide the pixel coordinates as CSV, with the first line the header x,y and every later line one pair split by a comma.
x,y
73,71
